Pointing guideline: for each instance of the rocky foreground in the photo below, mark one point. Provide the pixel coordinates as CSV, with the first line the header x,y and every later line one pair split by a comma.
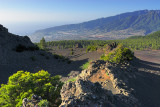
x,y
101,85
106,84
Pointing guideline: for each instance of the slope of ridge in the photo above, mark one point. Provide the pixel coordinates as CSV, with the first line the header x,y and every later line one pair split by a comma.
x,y
9,41
106,84
114,27
28,58
19,53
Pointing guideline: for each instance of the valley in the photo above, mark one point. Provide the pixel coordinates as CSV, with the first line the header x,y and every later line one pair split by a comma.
x,y
71,72
120,26
79,53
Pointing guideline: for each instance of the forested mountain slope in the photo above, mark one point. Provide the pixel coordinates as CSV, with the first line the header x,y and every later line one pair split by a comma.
x,y
115,27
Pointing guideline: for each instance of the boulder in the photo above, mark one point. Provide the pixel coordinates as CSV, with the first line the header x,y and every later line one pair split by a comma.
x,y
9,41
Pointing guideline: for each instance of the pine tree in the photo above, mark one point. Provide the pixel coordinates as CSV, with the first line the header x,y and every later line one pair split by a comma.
x,y
42,43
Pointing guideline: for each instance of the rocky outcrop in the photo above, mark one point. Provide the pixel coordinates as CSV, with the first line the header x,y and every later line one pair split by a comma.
x,y
101,85
84,93
110,47
120,75
33,102
11,60
9,41
3,29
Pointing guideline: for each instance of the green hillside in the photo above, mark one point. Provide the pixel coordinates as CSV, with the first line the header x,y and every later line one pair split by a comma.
x,y
115,27
151,41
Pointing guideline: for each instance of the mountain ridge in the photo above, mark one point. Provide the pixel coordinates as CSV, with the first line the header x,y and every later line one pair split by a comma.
x,y
119,26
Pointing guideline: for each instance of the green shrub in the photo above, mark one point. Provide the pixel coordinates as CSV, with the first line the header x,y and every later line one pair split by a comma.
x,y
91,48
71,53
72,79
69,75
85,66
103,57
42,44
25,84
119,55
43,103
107,73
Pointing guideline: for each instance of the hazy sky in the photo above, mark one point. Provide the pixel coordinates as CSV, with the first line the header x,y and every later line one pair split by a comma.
x,y
25,16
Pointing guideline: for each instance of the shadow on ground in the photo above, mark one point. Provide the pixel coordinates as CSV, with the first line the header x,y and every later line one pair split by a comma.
x,y
53,66
146,84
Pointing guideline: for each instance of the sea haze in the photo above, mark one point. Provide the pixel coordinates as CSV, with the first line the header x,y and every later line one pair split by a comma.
x,y
29,28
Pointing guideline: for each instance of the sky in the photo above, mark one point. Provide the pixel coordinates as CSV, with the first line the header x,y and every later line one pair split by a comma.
x,y
24,17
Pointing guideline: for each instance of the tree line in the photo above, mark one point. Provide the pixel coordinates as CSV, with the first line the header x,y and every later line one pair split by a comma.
x,y
151,41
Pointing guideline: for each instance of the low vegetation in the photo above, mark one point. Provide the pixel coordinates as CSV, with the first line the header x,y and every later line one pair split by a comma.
x,y
62,58
71,53
85,66
43,103
107,73
91,48
25,84
72,79
120,54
